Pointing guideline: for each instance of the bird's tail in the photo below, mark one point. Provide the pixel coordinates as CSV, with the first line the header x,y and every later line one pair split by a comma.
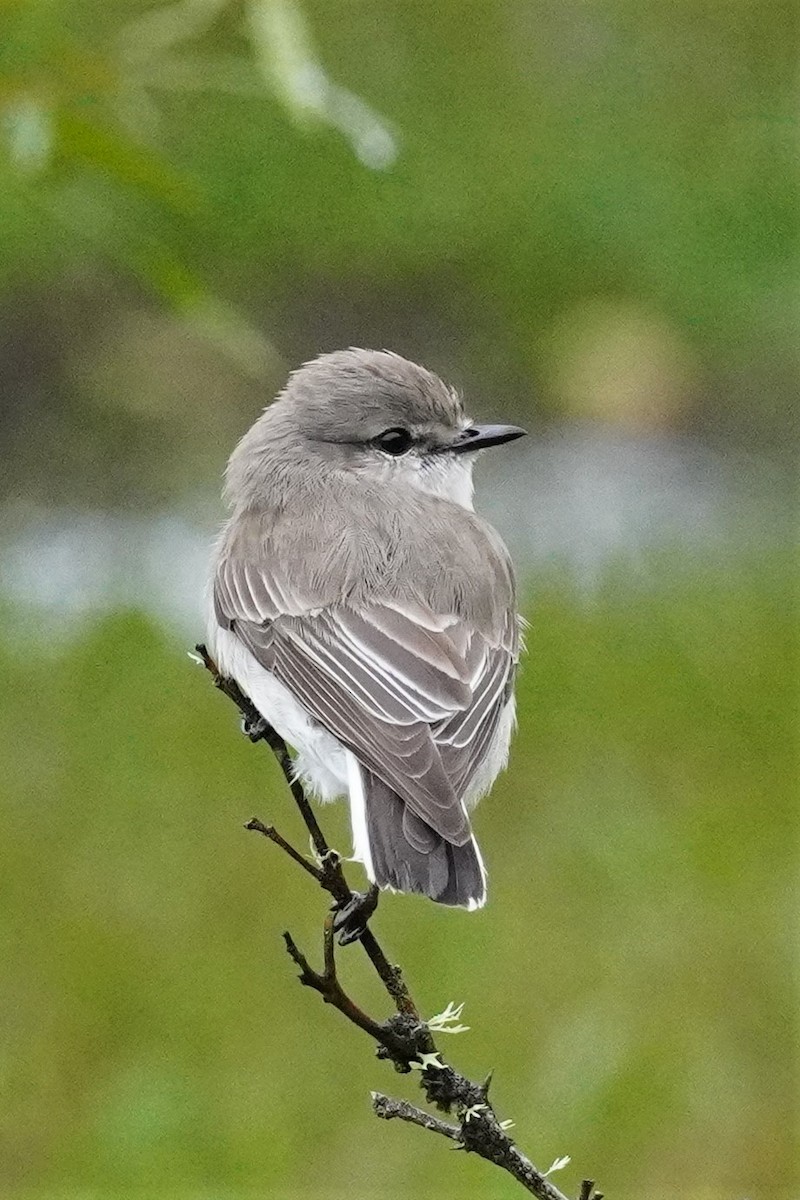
x,y
400,851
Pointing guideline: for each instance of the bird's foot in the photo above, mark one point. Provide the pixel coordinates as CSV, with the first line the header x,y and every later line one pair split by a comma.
x,y
352,915
255,730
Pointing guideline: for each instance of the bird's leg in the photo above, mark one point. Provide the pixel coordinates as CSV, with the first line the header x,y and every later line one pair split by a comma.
x,y
351,916
351,910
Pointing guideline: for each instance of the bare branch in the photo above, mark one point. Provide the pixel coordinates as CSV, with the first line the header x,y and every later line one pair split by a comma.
x,y
404,1038
401,1040
387,1108
269,831
257,729
331,876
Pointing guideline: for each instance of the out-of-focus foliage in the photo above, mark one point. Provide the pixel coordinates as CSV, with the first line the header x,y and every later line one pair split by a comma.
x,y
529,144
466,181
629,980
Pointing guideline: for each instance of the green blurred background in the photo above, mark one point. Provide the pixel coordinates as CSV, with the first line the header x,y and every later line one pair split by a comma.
x,y
584,214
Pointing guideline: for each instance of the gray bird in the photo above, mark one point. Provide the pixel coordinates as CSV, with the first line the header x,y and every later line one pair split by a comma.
x,y
369,613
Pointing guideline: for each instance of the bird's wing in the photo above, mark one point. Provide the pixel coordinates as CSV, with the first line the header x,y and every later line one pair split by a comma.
x,y
415,695
464,738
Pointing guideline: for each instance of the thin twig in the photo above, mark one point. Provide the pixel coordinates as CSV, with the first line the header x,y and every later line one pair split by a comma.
x,y
328,986
259,730
269,831
402,1042
332,876
386,1107
405,1038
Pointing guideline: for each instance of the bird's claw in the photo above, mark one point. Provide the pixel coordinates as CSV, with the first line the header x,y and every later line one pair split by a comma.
x,y
352,915
255,730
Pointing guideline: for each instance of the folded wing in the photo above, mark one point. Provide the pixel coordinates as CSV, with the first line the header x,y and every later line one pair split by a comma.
x,y
415,695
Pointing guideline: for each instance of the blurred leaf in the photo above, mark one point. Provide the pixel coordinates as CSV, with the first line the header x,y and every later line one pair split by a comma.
x,y
284,49
29,130
84,143
162,28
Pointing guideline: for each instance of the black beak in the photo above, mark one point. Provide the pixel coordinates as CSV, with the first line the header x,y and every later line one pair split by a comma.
x,y
479,437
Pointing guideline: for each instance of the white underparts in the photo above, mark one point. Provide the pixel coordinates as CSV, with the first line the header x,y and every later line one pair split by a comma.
x,y
321,758
478,901
323,764
358,816
448,476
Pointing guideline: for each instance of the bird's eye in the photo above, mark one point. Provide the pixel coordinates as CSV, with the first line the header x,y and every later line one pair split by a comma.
x,y
394,441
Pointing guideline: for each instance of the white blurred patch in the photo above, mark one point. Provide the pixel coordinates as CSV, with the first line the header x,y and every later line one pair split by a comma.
x,y
286,55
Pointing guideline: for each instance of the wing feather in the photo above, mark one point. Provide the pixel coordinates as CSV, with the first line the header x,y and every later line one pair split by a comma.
x,y
416,695
404,756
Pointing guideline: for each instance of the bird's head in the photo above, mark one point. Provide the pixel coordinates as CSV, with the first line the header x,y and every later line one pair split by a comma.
x,y
374,413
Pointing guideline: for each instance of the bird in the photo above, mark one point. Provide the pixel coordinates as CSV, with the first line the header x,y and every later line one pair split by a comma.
x,y
369,613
